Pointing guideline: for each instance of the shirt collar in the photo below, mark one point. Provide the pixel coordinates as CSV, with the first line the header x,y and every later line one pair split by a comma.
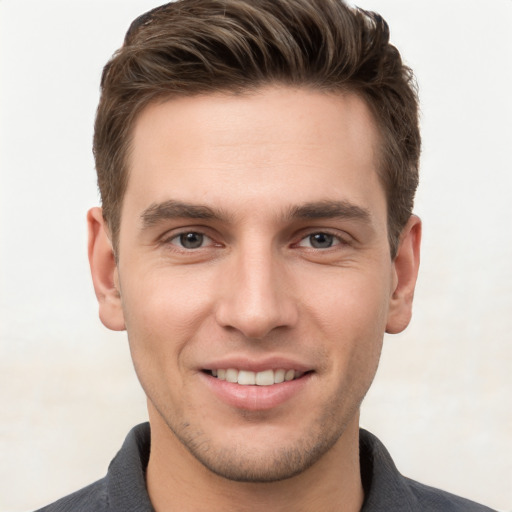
x,y
384,487
126,477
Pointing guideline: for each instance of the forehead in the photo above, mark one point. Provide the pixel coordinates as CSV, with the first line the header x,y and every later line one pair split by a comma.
x,y
270,146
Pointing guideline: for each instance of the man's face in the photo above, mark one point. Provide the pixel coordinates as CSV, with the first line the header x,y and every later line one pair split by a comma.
x,y
253,246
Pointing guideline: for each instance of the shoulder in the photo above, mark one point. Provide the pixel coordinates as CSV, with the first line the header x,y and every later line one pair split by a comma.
x,y
93,498
430,498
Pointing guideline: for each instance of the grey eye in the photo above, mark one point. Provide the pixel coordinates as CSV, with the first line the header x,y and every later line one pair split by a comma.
x,y
191,240
321,240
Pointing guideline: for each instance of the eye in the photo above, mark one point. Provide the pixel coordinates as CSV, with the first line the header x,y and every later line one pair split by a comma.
x,y
190,240
319,241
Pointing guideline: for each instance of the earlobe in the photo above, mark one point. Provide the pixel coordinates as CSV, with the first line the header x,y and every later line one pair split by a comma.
x,y
406,265
104,271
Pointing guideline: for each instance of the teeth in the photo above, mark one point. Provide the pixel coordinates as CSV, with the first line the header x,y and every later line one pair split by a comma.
x,y
232,375
246,378
279,376
264,378
289,375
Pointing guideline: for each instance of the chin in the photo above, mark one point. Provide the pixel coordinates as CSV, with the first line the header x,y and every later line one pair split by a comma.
x,y
278,465
259,457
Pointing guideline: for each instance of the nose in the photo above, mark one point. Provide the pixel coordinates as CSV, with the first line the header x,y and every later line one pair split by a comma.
x,y
255,295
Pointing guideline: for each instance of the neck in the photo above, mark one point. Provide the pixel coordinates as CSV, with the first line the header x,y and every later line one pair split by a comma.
x,y
177,481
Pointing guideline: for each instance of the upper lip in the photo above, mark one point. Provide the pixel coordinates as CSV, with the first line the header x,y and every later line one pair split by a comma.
x,y
256,365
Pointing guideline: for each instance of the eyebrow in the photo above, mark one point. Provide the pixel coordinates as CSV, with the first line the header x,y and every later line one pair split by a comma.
x,y
172,209
330,210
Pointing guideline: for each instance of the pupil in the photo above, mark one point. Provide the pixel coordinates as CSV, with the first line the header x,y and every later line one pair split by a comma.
x,y
191,240
321,240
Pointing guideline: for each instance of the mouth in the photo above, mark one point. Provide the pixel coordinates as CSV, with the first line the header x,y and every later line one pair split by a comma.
x,y
257,386
249,378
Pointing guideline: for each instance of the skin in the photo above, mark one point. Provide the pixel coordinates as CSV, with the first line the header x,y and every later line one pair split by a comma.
x,y
268,175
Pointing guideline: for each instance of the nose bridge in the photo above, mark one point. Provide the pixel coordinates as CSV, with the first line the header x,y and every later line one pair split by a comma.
x,y
255,299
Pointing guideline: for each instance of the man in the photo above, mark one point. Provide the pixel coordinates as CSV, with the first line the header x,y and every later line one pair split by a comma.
x,y
257,162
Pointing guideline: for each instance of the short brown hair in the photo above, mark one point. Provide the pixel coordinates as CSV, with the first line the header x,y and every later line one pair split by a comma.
x,y
191,47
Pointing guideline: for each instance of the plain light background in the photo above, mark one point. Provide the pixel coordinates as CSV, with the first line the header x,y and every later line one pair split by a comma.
x,y
68,394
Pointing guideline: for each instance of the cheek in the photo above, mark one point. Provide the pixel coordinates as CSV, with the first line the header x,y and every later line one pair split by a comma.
x,y
162,313
161,319
165,297
351,315
357,301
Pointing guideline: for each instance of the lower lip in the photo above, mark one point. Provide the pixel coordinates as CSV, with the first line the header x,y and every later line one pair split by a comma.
x,y
255,398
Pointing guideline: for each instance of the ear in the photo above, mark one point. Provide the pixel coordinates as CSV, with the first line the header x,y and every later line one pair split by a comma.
x,y
405,270
104,271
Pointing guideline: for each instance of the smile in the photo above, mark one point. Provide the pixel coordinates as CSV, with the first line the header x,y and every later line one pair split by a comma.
x,y
249,378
